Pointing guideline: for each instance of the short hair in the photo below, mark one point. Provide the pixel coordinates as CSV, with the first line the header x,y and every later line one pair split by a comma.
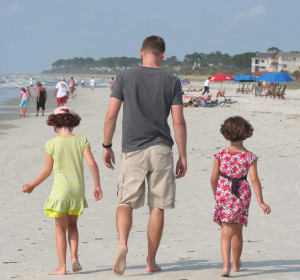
x,y
154,44
236,129
39,84
64,120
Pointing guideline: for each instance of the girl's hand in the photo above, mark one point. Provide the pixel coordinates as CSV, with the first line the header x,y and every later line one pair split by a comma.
x,y
28,188
266,208
98,193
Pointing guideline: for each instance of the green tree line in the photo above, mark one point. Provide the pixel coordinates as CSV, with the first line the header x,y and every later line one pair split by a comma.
x,y
195,63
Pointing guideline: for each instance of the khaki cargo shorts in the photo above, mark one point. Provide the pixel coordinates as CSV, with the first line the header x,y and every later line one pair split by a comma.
x,y
154,164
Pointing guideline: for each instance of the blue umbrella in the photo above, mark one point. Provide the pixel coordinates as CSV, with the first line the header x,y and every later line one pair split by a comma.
x,y
244,78
279,77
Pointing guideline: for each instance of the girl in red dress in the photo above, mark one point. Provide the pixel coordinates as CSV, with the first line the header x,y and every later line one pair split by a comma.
x,y
232,190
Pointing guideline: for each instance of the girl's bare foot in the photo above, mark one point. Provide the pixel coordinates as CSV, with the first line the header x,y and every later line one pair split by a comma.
x,y
237,267
120,261
153,268
59,271
226,270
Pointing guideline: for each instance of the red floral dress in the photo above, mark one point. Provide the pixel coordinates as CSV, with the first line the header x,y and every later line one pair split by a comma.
x,y
229,207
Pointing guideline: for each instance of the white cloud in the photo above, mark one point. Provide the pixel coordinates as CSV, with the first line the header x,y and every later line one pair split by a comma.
x,y
255,14
13,8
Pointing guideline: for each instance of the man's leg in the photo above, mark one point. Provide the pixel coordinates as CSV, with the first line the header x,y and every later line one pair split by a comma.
x,y
124,223
155,229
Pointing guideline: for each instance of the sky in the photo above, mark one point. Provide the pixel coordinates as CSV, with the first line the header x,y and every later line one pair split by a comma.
x,y
35,33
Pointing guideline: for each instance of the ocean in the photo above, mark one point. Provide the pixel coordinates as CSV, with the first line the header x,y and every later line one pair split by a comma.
x,y
10,88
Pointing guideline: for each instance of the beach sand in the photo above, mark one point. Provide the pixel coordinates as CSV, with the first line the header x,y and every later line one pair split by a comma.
x,y
190,245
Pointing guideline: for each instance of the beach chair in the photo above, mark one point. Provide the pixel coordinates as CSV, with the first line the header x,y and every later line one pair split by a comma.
x,y
280,93
240,89
271,91
246,89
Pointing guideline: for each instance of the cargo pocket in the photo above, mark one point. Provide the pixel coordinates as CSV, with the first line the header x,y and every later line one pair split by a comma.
x,y
162,158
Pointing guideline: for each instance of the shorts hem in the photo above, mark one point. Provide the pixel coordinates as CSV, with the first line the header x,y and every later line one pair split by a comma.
x,y
165,207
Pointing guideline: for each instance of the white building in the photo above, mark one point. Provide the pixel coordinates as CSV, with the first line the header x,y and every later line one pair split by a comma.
x,y
275,62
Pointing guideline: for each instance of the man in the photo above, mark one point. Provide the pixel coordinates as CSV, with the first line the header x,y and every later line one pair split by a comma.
x,y
92,84
61,92
148,95
206,86
72,88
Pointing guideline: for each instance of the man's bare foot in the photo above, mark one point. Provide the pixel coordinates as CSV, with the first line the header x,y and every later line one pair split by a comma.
x,y
59,271
226,271
238,267
120,261
153,268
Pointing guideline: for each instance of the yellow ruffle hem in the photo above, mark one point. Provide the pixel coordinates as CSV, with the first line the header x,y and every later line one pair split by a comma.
x,y
56,208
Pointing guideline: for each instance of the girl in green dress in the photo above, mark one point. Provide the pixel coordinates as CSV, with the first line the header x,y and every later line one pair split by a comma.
x,y
64,155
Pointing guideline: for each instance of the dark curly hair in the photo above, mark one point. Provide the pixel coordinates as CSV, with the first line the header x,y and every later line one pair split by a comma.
x,y
236,129
63,120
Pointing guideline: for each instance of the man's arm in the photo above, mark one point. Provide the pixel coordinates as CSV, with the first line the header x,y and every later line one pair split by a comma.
x,y
109,129
180,138
56,90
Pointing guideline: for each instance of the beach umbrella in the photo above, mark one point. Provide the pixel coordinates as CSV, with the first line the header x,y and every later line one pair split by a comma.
x,y
280,77
244,78
184,81
221,77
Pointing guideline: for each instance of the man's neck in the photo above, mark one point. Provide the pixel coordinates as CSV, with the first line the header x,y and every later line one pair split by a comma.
x,y
151,60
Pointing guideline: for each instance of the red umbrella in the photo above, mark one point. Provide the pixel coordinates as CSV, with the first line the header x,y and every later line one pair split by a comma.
x,y
221,77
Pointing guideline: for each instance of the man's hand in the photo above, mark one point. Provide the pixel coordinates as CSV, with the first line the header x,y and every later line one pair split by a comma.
x,y
108,158
181,167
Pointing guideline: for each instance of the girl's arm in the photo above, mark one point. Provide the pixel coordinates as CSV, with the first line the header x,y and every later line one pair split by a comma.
x,y
257,188
46,172
95,172
215,177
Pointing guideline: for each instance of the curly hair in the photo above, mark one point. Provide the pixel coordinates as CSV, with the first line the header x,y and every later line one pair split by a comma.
x,y
236,129
63,120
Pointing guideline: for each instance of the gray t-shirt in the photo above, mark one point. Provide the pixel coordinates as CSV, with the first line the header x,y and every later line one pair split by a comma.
x,y
147,94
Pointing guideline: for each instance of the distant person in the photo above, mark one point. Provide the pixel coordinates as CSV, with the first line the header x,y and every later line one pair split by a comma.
x,y
61,92
76,83
24,98
92,84
30,82
34,89
41,98
72,88
82,83
232,191
112,84
197,99
148,95
64,155
206,86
